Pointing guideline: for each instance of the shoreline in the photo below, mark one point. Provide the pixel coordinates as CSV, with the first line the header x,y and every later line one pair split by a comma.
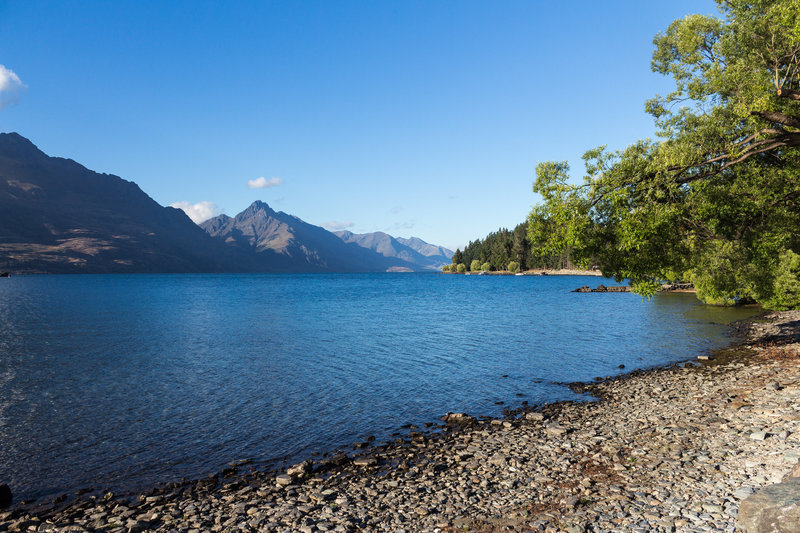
x,y
537,272
639,454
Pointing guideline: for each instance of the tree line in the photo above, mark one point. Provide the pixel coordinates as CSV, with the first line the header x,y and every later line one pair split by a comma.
x,y
513,250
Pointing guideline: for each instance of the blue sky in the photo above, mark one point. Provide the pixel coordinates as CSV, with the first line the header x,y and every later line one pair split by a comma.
x,y
414,118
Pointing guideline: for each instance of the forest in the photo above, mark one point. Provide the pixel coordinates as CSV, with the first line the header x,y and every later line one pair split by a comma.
x,y
511,250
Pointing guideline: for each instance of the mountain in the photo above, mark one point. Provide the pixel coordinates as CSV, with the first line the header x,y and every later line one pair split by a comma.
x,y
440,253
298,245
57,216
389,246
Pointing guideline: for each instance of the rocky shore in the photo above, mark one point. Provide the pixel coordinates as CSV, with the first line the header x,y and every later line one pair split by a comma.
x,y
672,449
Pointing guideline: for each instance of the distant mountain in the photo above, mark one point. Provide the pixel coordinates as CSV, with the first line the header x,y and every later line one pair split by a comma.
x,y
299,246
414,250
57,216
441,253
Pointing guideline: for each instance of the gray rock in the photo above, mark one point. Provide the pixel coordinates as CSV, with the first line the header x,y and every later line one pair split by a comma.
x,y
283,479
459,419
775,508
300,470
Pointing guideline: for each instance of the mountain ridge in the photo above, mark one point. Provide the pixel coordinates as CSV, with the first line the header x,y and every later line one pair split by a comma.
x,y
57,216
389,246
308,247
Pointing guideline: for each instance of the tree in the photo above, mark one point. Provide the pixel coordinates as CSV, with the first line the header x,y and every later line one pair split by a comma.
x,y
461,268
486,267
475,265
715,200
513,267
446,268
458,257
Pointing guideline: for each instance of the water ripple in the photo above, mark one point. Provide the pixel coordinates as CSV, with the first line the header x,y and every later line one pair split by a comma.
x,y
123,381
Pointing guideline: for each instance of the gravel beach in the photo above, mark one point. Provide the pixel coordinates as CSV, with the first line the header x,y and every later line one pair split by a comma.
x,y
671,449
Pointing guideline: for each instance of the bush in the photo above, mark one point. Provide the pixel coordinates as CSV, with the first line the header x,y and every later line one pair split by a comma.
x,y
446,268
486,267
513,267
475,265
461,268
786,293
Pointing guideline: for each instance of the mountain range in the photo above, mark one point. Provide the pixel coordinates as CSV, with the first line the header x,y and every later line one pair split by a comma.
x,y
413,250
56,216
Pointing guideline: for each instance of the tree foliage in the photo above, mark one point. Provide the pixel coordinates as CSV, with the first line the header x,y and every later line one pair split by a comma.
x,y
503,246
715,199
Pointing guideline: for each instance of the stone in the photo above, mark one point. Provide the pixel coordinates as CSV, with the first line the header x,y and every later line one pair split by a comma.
x,y
555,430
283,479
775,508
794,472
300,470
534,416
365,461
459,419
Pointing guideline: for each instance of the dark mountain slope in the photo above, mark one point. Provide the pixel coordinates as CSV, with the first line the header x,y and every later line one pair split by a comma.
x,y
57,216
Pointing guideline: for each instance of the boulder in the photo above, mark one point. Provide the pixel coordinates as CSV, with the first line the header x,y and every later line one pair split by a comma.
x,y
794,472
775,508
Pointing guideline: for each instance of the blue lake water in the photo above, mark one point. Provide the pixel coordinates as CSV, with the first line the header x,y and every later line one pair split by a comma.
x,y
118,382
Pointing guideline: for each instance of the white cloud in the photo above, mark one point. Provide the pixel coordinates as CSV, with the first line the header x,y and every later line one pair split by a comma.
x,y
199,212
264,183
335,225
11,87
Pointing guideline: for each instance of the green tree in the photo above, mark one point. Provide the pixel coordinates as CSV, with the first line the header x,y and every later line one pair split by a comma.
x,y
715,200
458,257
446,268
461,268
486,267
475,265
513,267
787,283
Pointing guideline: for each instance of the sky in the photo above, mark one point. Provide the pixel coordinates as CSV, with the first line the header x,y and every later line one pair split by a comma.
x,y
414,118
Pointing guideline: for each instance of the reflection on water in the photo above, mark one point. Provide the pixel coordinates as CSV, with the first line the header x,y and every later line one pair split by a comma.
x,y
122,381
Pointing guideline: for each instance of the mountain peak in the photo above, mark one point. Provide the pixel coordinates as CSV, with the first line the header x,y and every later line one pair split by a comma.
x,y
16,146
255,209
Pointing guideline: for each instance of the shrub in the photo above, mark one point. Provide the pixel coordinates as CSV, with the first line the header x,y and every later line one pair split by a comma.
x,y
461,268
786,293
446,268
486,267
513,267
475,265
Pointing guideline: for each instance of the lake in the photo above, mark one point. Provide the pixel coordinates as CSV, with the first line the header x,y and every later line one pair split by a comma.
x,y
122,381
